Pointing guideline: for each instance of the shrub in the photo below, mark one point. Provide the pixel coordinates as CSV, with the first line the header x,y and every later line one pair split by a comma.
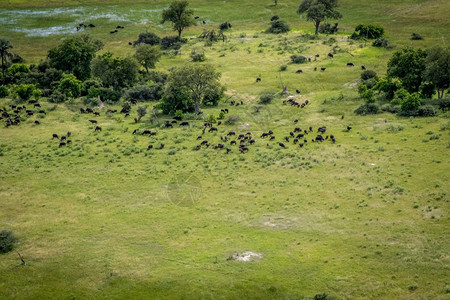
x,y
278,26
37,93
367,109
172,42
444,104
148,38
211,119
109,95
327,28
24,91
212,96
426,111
390,108
7,241
221,115
88,84
70,86
225,26
232,120
274,18
179,114
368,74
4,92
416,36
368,95
427,90
367,31
370,83
145,92
197,55
400,96
381,42
57,97
411,102
388,86
266,97
298,59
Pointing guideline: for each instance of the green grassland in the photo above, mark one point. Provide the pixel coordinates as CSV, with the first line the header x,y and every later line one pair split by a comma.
x,y
364,218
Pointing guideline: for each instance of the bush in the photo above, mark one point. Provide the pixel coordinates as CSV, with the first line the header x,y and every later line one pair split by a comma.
x,y
145,92
411,102
298,59
197,55
70,86
179,114
367,109
221,115
427,90
327,28
24,91
381,42
4,92
416,36
368,74
274,18
283,67
426,111
172,42
109,95
367,31
88,84
37,93
148,38
370,83
7,241
391,108
278,26
444,104
266,97
57,97
225,26
211,119
213,96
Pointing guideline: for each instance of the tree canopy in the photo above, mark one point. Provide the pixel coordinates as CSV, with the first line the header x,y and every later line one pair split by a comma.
x,y
74,55
187,85
319,10
437,69
408,66
5,45
116,72
179,15
147,55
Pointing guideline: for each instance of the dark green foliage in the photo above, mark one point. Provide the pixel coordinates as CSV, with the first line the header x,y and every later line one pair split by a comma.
x,y
17,68
225,26
197,55
367,109
319,11
4,92
367,32
381,42
145,92
179,15
156,77
283,67
371,82
176,98
274,18
388,86
57,97
278,26
70,86
7,241
171,42
368,74
437,68
298,59
416,36
391,108
179,114
24,91
107,95
6,55
213,96
327,28
88,84
426,111
427,90
141,111
266,97
408,65
148,38
116,72
74,55
444,104
411,102
323,297
147,56
17,59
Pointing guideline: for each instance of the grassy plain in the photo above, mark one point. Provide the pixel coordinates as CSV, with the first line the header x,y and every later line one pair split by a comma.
x,y
366,217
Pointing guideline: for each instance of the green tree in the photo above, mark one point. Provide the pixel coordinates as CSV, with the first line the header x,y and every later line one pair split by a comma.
x,y
411,103
189,84
142,111
5,45
179,15
319,10
147,55
116,72
408,65
74,55
70,86
437,69
24,91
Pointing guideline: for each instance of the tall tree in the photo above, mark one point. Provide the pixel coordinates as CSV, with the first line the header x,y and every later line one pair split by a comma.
x,y
319,10
147,55
192,81
5,45
179,15
116,72
437,69
408,65
74,55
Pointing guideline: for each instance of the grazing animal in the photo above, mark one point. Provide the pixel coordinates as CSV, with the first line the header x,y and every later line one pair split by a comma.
x,y
322,129
199,137
184,123
204,142
134,131
89,110
350,64
37,122
37,105
42,112
69,133
264,134
342,118
96,113
233,143
301,145
91,25
93,121
363,67
297,91
297,129
228,150
63,138
323,69
55,136
149,147
286,138
281,145
299,71
291,134
231,133
330,55
349,128
272,138
168,125
196,17
243,149
315,68
61,144
212,129
295,141
310,128
319,138
270,132
162,146
98,128
177,118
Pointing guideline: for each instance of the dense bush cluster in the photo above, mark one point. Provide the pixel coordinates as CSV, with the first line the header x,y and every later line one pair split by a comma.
x,y
327,28
367,32
278,26
7,241
298,59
